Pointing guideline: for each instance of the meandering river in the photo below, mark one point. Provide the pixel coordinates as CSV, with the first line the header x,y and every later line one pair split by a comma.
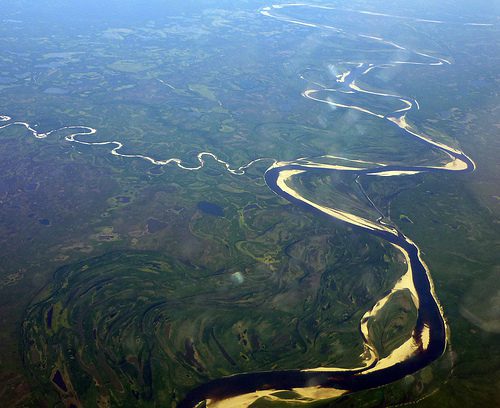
x,y
429,337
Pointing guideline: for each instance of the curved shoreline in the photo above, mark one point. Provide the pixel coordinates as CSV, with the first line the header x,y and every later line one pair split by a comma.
x,y
430,334
429,337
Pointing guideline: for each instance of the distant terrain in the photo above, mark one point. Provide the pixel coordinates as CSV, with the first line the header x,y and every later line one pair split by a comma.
x,y
145,251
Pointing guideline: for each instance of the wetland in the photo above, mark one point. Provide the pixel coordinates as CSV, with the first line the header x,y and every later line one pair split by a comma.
x,y
247,204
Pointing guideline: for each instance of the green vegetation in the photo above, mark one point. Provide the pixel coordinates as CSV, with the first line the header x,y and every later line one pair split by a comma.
x,y
152,295
139,326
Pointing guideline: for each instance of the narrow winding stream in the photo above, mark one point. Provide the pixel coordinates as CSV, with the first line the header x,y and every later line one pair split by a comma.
x,y
429,337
